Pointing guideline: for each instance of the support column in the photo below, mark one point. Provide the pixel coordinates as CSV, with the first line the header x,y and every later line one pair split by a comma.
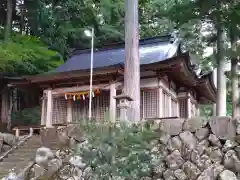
x,y
160,103
5,105
49,109
189,111
69,110
178,108
132,62
113,104
169,106
198,110
215,83
43,115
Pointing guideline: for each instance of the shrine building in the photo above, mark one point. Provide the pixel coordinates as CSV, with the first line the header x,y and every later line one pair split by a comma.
x,y
171,83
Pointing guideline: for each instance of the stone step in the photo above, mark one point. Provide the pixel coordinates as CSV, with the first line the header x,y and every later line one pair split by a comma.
x,y
18,166
20,157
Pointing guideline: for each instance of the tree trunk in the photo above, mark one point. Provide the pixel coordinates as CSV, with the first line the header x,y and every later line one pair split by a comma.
x,y
234,76
215,83
221,79
8,26
22,24
132,64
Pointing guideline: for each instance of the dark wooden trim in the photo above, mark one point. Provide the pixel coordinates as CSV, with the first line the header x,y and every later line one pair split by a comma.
x,y
161,118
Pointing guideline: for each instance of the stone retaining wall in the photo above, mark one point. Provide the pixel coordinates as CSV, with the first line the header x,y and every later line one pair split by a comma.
x,y
192,149
196,149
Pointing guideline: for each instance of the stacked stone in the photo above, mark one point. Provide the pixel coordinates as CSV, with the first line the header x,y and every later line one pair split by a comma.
x,y
195,149
6,142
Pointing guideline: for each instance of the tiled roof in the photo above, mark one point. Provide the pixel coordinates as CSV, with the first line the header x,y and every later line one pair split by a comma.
x,y
150,50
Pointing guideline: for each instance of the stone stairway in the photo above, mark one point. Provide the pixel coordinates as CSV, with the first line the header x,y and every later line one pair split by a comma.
x,y
20,157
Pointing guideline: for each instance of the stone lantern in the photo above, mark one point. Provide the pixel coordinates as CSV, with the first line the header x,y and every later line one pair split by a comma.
x,y
124,104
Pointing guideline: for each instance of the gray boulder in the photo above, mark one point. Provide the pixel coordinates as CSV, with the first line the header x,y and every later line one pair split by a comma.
x,y
227,175
223,127
8,139
194,124
172,126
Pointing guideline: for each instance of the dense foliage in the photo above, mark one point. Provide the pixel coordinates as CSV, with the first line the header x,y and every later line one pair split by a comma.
x,y
122,150
26,117
27,55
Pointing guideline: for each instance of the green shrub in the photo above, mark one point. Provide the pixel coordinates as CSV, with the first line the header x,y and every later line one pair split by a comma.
x,y
120,151
28,116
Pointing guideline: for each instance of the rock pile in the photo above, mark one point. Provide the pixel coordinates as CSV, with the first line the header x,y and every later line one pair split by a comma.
x,y
61,165
7,141
195,149
191,149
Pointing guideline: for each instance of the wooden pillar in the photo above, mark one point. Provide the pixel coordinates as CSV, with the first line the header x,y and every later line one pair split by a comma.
x,y
160,102
178,108
49,109
169,106
5,105
132,64
43,115
69,110
189,111
113,103
198,110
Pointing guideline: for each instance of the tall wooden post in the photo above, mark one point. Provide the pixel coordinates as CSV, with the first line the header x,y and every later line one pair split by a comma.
x,y
221,79
189,108
215,83
113,103
49,109
43,114
69,111
132,64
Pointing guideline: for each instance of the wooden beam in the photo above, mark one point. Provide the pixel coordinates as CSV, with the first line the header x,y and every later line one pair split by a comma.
x,y
80,88
105,71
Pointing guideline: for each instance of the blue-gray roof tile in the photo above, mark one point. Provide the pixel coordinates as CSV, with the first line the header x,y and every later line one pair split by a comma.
x,y
150,51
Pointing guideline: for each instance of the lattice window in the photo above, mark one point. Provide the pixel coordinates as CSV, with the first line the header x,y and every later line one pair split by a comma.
x,y
59,113
117,108
174,107
149,103
80,110
104,103
183,107
100,106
